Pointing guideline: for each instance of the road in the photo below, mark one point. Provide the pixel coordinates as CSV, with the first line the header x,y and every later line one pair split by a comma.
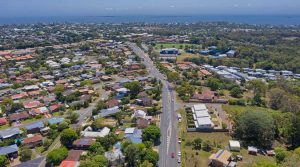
x,y
168,122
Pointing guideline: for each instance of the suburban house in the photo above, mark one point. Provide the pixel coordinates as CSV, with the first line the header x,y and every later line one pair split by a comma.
x,y
202,118
134,135
9,133
107,112
143,123
10,151
33,141
89,134
115,157
32,104
112,103
83,144
55,120
3,121
220,159
144,101
34,127
18,116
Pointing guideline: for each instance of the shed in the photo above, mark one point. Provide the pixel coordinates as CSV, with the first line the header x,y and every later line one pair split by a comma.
x,y
234,145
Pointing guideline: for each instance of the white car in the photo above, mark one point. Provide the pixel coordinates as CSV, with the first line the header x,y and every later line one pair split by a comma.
x,y
179,153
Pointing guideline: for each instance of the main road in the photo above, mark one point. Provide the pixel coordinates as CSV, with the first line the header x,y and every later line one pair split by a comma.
x,y
168,120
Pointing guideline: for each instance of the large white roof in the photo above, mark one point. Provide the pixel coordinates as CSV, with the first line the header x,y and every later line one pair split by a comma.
x,y
204,121
198,107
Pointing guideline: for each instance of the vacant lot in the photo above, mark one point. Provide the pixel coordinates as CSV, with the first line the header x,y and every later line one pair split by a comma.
x,y
218,140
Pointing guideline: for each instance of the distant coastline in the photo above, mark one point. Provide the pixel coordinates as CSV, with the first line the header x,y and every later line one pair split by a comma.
x,y
275,20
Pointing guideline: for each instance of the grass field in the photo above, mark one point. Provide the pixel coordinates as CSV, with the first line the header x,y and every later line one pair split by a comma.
x,y
174,45
184,55
235,110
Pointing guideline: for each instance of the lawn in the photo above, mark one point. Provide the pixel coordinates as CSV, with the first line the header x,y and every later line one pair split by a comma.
x,y
185,55
174,45
235,110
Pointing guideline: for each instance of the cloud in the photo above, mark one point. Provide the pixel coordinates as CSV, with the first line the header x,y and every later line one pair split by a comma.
x,y
172,6
109,9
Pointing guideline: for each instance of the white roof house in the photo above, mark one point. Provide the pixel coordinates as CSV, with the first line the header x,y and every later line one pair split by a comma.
x,y
199,107
139,114
105,131
204,123
129,130
234,145
202,113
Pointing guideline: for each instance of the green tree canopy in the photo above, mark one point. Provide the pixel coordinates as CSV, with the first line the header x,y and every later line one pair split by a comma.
x,y
151,156
67,137
134,87
56,156
3,161
151,133
25,154
255,128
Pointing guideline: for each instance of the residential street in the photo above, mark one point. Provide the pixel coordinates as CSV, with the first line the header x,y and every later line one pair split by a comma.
x,y
168,123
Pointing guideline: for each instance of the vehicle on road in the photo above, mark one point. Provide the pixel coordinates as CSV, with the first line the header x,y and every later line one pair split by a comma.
x,y
173,155
179,154
179,161
179,141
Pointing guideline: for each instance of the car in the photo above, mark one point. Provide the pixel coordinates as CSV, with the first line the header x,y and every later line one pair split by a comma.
x,y
179,161
173,155
179,141
179,154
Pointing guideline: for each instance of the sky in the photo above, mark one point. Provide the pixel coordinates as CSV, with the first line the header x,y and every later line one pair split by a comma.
x,y
41,8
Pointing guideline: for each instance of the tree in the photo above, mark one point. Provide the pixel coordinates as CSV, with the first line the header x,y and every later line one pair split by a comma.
x,y
72,116
134,87
146,163
197,143
255,128
108,141
25,154
59,88
67,137
236,92
172,76
259,89
56,156
276,98
100,160
133,155
280,154
151,133
63,125
3,161
294,131
151,156
206,145
213,84
96,148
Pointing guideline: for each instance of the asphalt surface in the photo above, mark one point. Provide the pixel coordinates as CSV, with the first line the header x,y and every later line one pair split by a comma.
x,y
168,120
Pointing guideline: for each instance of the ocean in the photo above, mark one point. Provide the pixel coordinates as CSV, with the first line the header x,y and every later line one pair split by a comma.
x,y
275,20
